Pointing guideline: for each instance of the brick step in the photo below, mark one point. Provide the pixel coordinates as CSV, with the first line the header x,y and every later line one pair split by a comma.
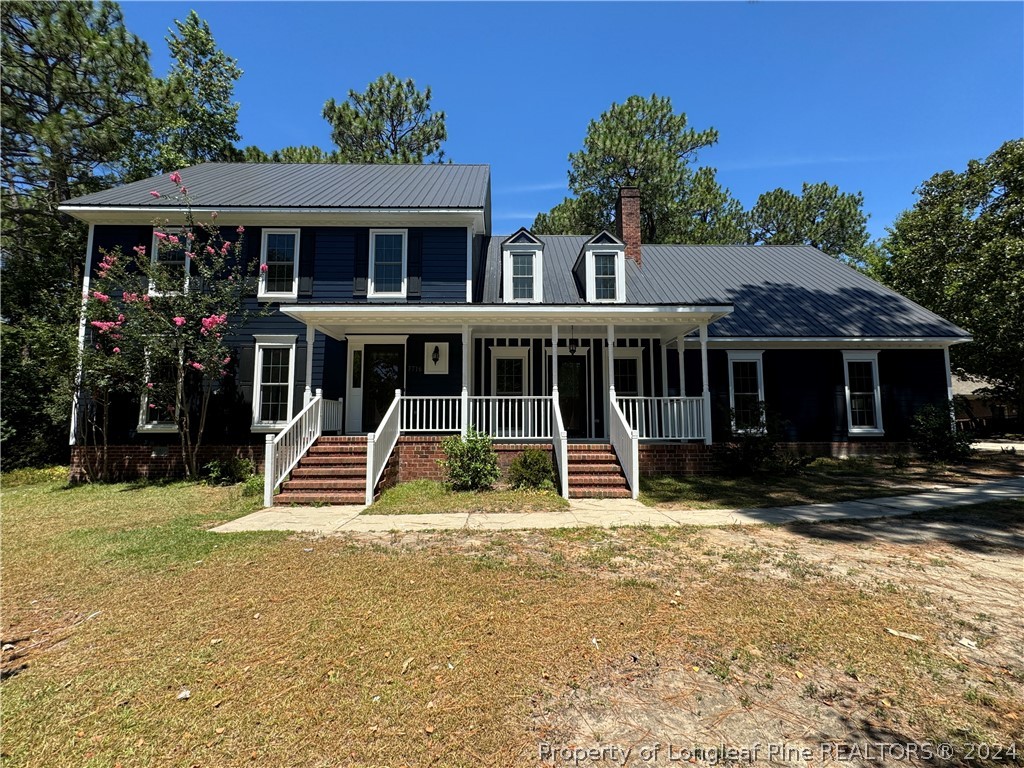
x,y
340,449
308,498
342,439
320,484
598,493
322,460
589,448
344,470
599,467
602,480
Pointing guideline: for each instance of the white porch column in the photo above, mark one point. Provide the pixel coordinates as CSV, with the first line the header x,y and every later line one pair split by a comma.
x,y
611,363
704,377
464,420
949,388
681,346
76,404
307,393
554,359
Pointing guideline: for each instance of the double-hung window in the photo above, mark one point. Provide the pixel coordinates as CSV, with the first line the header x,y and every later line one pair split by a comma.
x,y
388,263
170,262
279,265
746,391
522,270
863,397
156,413
627,376
274,379
604,277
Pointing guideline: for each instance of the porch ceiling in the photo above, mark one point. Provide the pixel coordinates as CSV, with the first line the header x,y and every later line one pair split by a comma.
x,y
339,320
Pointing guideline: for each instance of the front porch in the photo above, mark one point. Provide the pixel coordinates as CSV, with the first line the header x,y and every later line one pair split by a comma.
x,y
617,383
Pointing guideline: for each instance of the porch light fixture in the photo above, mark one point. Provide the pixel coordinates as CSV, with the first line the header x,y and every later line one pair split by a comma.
x,y
436,354
573,346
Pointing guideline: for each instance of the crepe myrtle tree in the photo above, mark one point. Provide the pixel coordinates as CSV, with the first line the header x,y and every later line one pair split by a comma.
x,y
159,324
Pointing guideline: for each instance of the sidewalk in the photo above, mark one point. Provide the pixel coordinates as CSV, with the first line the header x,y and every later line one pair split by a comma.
x,y
612,513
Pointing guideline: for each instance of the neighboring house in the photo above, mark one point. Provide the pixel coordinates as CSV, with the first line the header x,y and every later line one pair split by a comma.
x,y
978,410
388,279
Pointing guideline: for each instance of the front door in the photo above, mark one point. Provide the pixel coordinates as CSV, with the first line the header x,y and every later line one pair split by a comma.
x,y
572,394
383,365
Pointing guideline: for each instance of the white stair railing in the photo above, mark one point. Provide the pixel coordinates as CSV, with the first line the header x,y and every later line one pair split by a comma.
x,y
431,414
625,441
559,445
283,451
665,418
381,443
527,418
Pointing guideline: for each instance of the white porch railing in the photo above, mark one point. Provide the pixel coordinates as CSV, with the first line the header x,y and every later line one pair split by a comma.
x,y
431,414
559,445
283,451
379,445
625,441
527,418
665,418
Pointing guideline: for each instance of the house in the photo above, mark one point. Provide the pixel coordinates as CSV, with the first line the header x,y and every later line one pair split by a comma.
x,y
400,317
980,410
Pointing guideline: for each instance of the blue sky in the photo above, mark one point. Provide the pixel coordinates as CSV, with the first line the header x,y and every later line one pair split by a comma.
x,y
874,97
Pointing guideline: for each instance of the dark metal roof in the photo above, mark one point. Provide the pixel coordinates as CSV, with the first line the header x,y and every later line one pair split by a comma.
x,y
308,185
776,291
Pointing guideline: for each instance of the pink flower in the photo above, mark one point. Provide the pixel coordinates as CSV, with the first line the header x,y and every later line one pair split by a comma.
x,y
209,250
197,366
240,229
117,350
184,191
227,360
130,298
120,318
160,235
179,321
101,297
149,385
264,268
175,177
154,193
152,406
173,239
140,249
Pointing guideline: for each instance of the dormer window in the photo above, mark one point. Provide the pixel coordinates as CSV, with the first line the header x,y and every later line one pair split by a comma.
x,y
601,268
522,268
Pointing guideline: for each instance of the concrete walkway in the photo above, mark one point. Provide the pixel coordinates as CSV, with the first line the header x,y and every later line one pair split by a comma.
x,y
612,513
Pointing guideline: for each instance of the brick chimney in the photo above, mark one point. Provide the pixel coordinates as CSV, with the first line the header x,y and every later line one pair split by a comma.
x,y
627,222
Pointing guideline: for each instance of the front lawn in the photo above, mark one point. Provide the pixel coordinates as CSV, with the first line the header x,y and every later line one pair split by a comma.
x,y
471,648
423,497
825,480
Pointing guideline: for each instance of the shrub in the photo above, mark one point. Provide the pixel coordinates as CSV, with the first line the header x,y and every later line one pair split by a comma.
x,y
470,463
228,471
253,486
532,469
933,436
757,450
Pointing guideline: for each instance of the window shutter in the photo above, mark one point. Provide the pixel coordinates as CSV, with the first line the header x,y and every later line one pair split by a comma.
x,y
414,287
307,261
362,264
305,285
246,372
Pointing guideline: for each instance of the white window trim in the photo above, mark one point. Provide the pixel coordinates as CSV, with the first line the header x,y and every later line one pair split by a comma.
x,y
632,353
745,356
371,292
263,294
271,342
871,357
620,274
538,272
154,250
511,353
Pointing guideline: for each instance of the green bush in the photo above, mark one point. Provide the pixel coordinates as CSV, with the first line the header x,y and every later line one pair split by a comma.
x,y
532,469
933,436
470,464
228,471
757,450
253,486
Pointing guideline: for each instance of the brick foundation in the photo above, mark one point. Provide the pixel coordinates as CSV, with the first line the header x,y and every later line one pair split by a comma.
x,y
676,459
134,462
418,456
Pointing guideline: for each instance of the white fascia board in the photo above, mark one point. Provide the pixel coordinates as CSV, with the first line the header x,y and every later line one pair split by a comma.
x,y
832,341
269,216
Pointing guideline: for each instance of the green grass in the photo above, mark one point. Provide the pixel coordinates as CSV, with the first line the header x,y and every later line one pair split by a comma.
x,y
429,497
824,480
